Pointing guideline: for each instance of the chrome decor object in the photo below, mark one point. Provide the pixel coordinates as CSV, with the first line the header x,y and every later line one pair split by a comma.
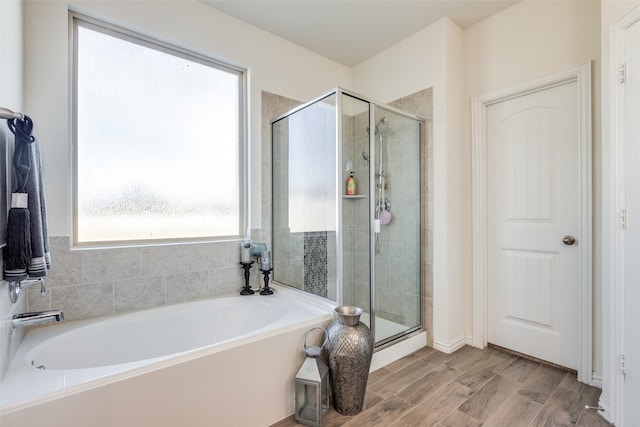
x,y
350,348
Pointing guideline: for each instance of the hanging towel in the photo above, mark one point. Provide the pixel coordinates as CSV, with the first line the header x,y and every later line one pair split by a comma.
x,y
27,172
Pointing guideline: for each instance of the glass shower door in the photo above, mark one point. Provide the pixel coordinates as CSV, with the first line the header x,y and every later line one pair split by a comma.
x,y
396,205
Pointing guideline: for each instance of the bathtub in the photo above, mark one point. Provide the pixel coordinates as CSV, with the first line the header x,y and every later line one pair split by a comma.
x,y
219,362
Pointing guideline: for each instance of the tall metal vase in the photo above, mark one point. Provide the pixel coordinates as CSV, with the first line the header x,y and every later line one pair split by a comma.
x,y
350,347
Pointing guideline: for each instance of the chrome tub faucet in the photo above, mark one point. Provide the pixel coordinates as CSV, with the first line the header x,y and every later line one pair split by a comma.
x,y
36,318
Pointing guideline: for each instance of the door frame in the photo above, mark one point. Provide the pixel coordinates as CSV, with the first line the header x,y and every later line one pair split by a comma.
x,y
614,323
581,74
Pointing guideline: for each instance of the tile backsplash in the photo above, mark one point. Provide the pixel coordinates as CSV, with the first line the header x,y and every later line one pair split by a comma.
x,y
94,282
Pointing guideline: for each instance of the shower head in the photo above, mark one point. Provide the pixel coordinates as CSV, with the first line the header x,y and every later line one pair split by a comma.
x,y
365,156
383,120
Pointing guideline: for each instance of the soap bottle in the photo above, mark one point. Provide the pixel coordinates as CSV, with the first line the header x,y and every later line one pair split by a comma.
x,y
351,184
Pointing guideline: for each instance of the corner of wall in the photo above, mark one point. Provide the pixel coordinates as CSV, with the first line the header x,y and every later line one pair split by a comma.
x,y
456,155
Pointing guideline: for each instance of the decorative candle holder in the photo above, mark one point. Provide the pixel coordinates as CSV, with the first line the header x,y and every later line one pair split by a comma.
x,y
247,289
266,290
265,260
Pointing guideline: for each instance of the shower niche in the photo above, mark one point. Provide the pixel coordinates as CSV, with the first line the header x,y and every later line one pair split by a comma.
x,y
359,246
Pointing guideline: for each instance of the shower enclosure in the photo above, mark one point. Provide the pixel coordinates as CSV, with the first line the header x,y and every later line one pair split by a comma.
x,y
365,248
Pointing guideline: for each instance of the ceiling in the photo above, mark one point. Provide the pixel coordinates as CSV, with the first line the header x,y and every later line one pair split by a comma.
x,y
351,31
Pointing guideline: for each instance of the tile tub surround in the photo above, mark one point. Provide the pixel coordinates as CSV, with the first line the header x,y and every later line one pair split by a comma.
x,y
86,283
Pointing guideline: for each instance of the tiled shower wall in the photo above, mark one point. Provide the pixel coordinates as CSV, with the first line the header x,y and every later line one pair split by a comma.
x,y
398,259
315,263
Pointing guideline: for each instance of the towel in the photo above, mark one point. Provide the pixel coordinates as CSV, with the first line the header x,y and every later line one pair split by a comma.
x,y
27,171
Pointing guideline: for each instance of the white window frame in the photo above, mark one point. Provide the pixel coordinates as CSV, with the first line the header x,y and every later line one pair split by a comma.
x,y
76,19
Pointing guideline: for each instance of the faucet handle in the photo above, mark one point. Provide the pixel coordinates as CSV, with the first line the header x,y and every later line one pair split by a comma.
x,y
16,287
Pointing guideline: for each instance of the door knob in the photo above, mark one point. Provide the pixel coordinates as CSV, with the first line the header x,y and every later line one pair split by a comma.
x,y
568,240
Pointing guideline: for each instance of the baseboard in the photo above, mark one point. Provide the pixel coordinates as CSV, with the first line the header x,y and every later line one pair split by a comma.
x,y
596,379
606,412
451,346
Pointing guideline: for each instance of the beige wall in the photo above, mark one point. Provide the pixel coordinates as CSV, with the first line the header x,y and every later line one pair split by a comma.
x,y
526,41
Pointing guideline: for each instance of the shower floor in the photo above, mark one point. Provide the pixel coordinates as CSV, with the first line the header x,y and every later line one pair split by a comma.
x,y
384,328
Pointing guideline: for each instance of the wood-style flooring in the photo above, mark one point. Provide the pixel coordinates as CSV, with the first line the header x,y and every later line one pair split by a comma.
x,y
470,387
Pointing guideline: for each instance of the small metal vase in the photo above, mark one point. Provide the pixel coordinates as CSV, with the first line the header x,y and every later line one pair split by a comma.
x,y
349,347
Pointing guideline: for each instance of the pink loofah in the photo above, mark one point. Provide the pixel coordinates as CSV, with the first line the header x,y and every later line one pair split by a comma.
x,y
385,217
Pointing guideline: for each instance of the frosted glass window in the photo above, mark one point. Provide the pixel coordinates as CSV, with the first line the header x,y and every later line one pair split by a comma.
x,y
159,141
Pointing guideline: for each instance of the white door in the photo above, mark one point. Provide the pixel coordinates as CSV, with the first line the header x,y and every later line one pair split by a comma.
x,y
631,107
533,195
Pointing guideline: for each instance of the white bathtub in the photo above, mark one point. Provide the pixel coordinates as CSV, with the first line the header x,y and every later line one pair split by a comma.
x,y
227,362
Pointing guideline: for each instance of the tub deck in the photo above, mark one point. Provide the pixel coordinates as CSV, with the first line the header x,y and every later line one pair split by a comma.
x,y
77,359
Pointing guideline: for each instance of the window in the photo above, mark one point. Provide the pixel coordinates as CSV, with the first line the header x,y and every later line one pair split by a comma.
x,y
159,142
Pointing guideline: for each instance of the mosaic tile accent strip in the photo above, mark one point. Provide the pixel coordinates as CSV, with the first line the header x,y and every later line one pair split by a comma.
x,y
315,263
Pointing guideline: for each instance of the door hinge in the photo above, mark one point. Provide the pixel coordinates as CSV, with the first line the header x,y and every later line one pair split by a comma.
x,y
622,218
622,72
623,364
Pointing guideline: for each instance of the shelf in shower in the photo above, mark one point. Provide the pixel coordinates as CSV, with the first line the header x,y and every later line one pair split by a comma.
x,y
357,196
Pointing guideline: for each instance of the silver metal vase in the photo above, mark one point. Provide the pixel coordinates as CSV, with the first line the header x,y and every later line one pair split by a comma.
x,y
349,348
